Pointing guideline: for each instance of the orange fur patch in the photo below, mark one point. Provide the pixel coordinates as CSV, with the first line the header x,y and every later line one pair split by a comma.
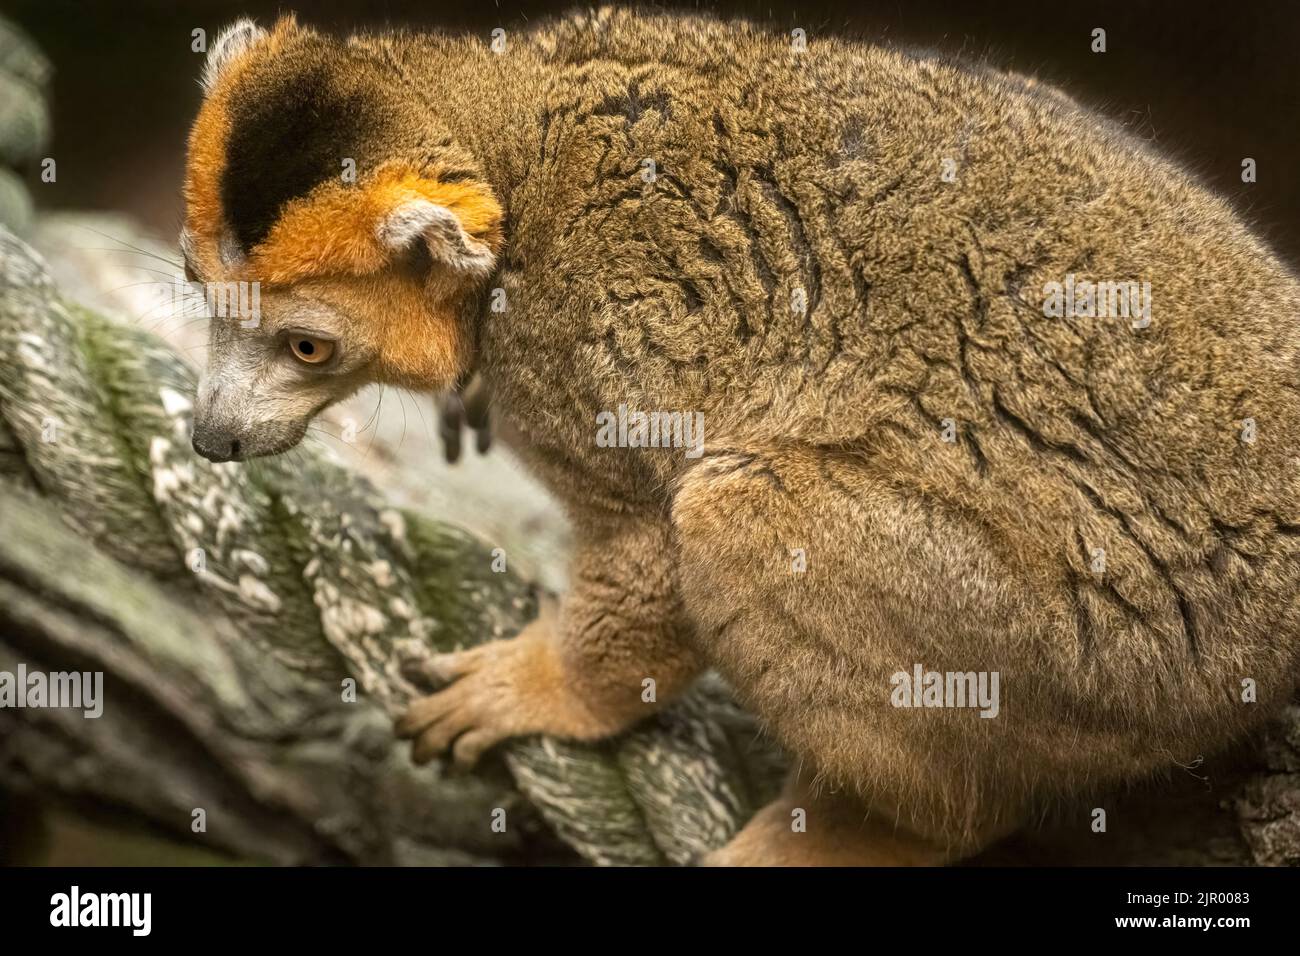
x,y
333,230
419,343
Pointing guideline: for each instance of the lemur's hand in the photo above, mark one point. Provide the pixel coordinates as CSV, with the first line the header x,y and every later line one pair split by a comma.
x,y
497,690
619,651
467,405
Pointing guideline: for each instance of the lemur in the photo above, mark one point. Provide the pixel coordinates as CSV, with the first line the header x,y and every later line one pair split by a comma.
x,y
844,257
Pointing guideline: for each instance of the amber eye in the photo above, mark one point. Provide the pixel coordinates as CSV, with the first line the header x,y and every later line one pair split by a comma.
x,y
311,350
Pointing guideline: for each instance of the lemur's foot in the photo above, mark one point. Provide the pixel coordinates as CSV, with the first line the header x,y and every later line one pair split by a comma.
x,y
810,827
498,690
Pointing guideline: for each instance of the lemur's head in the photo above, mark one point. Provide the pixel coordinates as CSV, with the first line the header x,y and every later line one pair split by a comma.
x,y
342,238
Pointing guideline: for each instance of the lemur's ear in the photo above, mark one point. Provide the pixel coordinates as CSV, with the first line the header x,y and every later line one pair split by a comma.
x,y
441,230
229,45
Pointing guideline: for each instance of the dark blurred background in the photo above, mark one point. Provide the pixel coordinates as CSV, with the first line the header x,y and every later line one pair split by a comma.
x,y
1209,83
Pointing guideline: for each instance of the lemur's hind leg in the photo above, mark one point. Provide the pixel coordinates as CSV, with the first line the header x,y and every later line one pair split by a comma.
x,y
811,826
813,581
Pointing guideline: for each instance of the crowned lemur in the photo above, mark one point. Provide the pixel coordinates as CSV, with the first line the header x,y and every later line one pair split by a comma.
x,y
991,399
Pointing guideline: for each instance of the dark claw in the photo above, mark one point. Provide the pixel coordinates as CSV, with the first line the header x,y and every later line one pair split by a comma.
x,y
468,406
451,416
414,670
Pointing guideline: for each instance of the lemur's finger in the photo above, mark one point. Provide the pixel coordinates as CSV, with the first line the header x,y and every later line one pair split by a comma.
x,y
421,673
437,738
472,744
428,712
451,416
477,402
474,396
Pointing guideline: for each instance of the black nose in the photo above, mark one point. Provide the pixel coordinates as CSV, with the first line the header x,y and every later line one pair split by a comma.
x,y
215,445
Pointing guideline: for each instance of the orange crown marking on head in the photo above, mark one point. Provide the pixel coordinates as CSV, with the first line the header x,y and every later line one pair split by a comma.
x,y
334,229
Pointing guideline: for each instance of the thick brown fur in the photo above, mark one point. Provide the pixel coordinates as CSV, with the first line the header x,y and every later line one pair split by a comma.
x,y
779,173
